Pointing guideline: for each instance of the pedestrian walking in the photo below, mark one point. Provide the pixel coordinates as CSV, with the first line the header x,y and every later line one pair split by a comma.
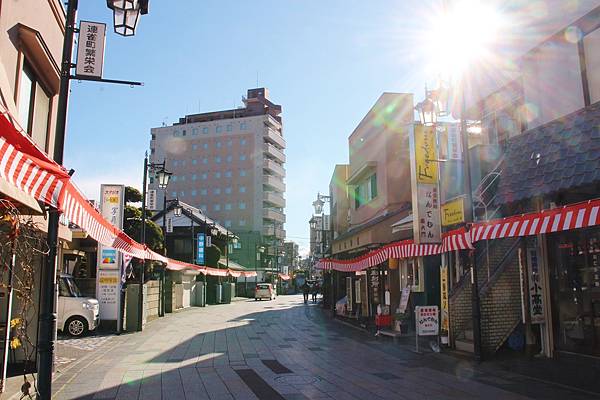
x,y
305,291
315,291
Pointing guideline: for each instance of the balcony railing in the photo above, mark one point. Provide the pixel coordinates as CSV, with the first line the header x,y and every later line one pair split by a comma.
x,y
274,152
275,138
274,167
271,231
274,215
274,198
274,182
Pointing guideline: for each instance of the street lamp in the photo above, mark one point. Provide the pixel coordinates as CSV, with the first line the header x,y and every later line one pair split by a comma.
x,y
434,105
126,14
162,176
177,210
47,317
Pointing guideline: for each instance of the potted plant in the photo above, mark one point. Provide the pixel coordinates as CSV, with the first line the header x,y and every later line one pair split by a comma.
x,y
401,322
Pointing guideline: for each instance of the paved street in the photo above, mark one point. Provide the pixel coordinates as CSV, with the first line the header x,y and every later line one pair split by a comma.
x,y
274,350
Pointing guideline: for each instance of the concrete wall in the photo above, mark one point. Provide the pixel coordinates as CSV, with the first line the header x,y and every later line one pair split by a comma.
x,y
152,300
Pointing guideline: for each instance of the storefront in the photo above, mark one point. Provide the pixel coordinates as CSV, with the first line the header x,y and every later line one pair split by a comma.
x,y
574,265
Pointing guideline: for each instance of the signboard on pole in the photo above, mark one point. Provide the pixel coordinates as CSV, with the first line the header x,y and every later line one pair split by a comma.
x,y
536,288
404,299
444,298
453,212
151,200
90,49
169,226
108,279
200,248
427,228
427,320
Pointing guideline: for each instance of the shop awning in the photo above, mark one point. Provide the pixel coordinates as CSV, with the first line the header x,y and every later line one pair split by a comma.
x,y
574,216
28,169
284,277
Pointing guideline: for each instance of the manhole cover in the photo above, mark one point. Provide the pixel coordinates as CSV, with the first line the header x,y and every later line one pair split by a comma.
x,y
297,379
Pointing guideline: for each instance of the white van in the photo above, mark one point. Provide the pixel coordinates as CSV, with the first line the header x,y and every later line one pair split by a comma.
x,y
76,314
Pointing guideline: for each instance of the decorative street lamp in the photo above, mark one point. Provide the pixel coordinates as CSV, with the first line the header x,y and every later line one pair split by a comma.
x,y
318,205
47,317
126,14
163,177
177,210
427,112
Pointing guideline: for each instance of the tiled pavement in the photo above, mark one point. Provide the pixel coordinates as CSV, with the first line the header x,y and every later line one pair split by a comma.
x,y
218,352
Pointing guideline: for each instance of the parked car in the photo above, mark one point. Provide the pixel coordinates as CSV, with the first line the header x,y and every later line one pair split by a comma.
x,y
77,314
264,291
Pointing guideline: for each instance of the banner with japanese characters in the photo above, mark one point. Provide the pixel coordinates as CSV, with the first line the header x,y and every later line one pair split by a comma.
x,y
536,288
444,298
90,49
427,227
427,320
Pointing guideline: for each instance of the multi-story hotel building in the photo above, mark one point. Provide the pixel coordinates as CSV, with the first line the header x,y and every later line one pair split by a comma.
x,y
230,164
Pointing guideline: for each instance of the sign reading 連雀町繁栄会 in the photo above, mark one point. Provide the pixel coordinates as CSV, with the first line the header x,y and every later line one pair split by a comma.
x,y
90,49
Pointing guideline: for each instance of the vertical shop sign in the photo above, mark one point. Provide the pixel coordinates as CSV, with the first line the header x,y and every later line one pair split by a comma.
x,y
349,293
200,248
454,149
536,288
374,275
108,280
90,49
444,298
404,299
427,227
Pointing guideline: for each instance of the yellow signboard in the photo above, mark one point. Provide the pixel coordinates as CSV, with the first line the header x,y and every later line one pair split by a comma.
x,y
453,212
444,298
426,154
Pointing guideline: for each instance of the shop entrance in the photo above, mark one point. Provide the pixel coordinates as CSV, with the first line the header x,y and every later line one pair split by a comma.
x,y
575,279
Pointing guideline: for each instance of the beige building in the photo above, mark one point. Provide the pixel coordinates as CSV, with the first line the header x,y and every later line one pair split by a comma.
x,y
30,54
230,164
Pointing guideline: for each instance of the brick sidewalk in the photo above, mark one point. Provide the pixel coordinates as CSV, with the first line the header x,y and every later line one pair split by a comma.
x,y
281,349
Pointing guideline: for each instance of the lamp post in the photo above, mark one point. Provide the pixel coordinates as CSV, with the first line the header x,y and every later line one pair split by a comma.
x,y
318,206
47,318
162,177
434,105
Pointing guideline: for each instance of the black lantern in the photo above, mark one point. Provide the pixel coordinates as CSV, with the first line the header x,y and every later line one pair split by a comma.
x,y
163,176
177,210
126,14
313,223
318,205
427,112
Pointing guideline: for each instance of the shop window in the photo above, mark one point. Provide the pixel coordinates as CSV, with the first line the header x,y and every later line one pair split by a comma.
x,y
411,274
34,107
576,289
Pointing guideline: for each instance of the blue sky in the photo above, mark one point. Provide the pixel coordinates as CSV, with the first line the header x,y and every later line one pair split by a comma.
x,y
325,62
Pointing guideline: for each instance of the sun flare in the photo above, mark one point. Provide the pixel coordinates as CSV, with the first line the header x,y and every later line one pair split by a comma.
x,y
460,35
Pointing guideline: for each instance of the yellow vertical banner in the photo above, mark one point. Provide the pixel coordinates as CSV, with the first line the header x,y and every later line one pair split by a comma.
x,y
444,298
426,154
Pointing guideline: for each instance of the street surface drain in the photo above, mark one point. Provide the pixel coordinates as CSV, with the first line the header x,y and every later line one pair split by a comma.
x,y
297,379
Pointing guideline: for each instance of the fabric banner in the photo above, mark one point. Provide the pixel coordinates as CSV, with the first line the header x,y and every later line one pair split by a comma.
x,y
29,169
573,216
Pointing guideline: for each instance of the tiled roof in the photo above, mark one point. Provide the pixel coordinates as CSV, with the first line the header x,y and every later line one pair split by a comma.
x,y
561,155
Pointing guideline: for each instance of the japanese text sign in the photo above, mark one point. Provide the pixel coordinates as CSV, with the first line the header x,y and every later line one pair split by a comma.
x,y
428,214
427,320
200,248
535,290
90,49
426,154
444,298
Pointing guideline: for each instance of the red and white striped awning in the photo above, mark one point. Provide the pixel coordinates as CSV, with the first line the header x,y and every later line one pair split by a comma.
x,y
29,169
574,216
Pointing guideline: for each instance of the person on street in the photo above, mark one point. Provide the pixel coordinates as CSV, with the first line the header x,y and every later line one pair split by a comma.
x,y
315,291
305,291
